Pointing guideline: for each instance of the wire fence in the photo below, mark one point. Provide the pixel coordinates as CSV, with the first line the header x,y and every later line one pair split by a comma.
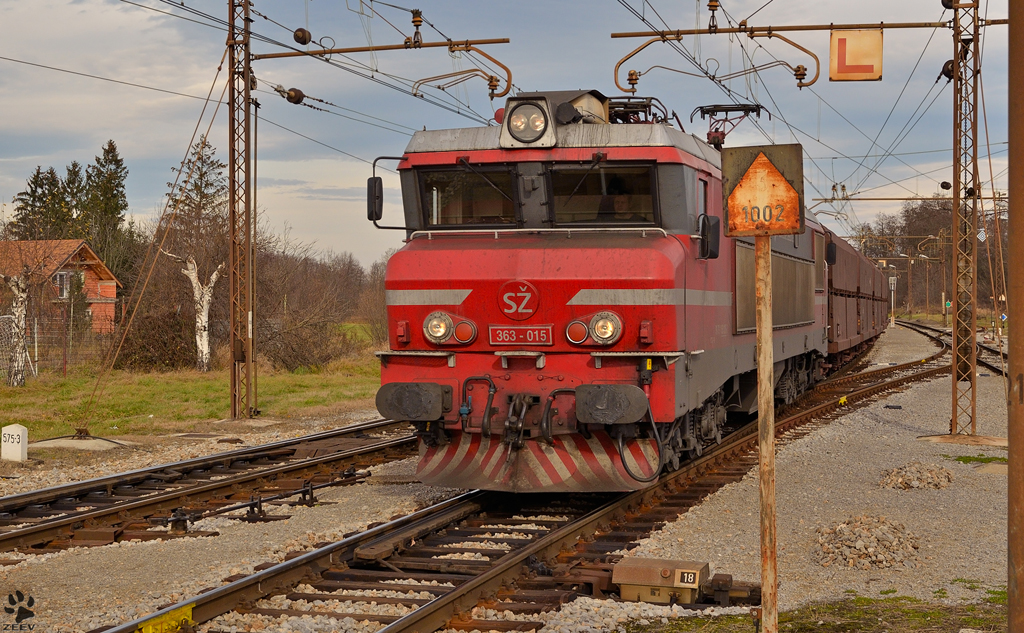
x,y
52,344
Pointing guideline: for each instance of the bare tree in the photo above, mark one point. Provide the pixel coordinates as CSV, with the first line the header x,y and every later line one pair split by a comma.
x,y
373,302
303,299
202,296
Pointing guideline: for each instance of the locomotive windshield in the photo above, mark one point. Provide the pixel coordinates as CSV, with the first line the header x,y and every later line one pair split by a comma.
x,y
603,194
468,195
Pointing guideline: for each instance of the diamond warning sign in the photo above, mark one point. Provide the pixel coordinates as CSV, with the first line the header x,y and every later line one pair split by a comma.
x,y
761,200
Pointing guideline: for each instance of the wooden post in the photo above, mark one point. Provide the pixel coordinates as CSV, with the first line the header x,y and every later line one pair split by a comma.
x,y
766,431
763,191
1015,310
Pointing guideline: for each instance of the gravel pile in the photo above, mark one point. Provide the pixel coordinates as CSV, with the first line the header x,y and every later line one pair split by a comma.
x,y
867,542
917,475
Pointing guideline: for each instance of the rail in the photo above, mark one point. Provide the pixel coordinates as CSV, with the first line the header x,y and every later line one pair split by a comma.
x,y
392,545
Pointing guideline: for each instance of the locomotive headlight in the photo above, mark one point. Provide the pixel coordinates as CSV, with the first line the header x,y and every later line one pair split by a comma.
x,y
527,123
606,328
438,327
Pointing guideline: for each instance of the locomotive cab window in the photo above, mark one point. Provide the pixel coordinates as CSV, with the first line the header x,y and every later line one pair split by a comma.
x,y
468,196
603,195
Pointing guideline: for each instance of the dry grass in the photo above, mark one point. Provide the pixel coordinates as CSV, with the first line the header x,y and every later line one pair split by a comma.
x,y
181,401
894,615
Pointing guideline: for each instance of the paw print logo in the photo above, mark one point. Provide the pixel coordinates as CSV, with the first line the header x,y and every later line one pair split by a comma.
x,y
24,611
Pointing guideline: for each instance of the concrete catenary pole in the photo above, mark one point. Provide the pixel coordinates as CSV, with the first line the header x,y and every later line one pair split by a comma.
x,y
766,431
1015,304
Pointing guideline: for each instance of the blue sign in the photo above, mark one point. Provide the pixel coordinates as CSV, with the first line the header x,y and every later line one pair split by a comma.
x,y
1002,317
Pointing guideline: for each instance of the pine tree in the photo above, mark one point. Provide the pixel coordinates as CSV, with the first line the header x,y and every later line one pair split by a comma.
x,y
41,212
75,193
202,199
106,201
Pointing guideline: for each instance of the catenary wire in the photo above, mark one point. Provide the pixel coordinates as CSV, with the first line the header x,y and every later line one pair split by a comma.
x,y
371,77
179,94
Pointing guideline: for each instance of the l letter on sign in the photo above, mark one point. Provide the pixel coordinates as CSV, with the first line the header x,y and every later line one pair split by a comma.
x,y
855,56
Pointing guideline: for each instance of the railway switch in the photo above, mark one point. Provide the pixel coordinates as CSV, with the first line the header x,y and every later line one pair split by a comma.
x,y
660,581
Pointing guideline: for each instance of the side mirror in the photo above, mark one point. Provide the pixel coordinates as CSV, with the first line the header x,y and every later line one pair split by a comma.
x,y
830,254
374,198
710,230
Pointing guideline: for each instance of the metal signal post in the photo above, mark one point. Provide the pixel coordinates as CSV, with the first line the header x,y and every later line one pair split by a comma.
x,y
243,367
966,189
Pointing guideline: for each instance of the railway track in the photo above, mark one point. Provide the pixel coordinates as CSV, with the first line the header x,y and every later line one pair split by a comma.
x,y
495,561
988,356
130,505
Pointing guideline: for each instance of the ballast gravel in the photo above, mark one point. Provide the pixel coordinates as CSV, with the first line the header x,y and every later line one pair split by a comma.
x,y
833,474
823,479
35,476
898,345
84,588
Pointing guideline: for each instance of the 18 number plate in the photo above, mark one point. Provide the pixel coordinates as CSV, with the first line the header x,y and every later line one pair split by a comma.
x,y
520,335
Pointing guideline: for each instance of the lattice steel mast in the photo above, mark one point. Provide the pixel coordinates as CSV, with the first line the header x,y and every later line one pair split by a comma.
x,y
966,192
243,370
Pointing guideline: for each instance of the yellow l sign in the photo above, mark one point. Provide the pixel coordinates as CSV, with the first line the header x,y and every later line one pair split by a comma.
x,y
855,56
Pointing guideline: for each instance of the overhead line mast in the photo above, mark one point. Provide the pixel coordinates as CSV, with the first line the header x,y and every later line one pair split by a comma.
x,y
964,70
243,366
241,175
966,192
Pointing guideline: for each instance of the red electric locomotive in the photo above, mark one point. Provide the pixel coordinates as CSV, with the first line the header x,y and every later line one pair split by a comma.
x,y
565,315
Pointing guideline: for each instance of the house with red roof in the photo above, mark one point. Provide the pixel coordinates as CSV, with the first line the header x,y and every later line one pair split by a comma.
x,y
58,267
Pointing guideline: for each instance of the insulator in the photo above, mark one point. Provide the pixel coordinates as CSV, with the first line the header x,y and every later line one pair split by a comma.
x,y
969,192
295,96
492,85
633,79
947,4
947,70
946,185
417,18
302,36
800,72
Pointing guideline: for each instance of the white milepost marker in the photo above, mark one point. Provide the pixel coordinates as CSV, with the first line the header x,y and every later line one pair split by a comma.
x,y
14,447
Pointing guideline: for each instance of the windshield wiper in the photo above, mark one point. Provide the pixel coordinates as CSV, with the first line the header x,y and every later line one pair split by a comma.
x,y
489,181
598,157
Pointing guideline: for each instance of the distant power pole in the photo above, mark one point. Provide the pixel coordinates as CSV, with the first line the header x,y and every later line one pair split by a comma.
x,y
243,367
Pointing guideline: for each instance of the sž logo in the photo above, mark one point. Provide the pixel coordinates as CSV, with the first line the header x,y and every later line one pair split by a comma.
x,y
518,300
23,611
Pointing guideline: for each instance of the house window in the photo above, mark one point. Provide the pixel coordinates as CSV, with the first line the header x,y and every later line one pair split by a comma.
x,y
62,281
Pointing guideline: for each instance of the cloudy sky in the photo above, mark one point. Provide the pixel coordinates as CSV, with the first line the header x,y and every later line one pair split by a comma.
x,y
315,186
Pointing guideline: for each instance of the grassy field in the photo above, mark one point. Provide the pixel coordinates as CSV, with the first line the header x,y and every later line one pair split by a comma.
x,y
182,401
893,615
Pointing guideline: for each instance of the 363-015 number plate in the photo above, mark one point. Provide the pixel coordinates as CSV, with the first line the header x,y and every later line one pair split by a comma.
x,y
520,334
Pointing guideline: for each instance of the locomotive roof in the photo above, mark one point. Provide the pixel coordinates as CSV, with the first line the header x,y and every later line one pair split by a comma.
x,y
576,135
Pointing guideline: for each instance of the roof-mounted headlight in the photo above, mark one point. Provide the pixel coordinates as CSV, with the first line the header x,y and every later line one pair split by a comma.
x,y
527,123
